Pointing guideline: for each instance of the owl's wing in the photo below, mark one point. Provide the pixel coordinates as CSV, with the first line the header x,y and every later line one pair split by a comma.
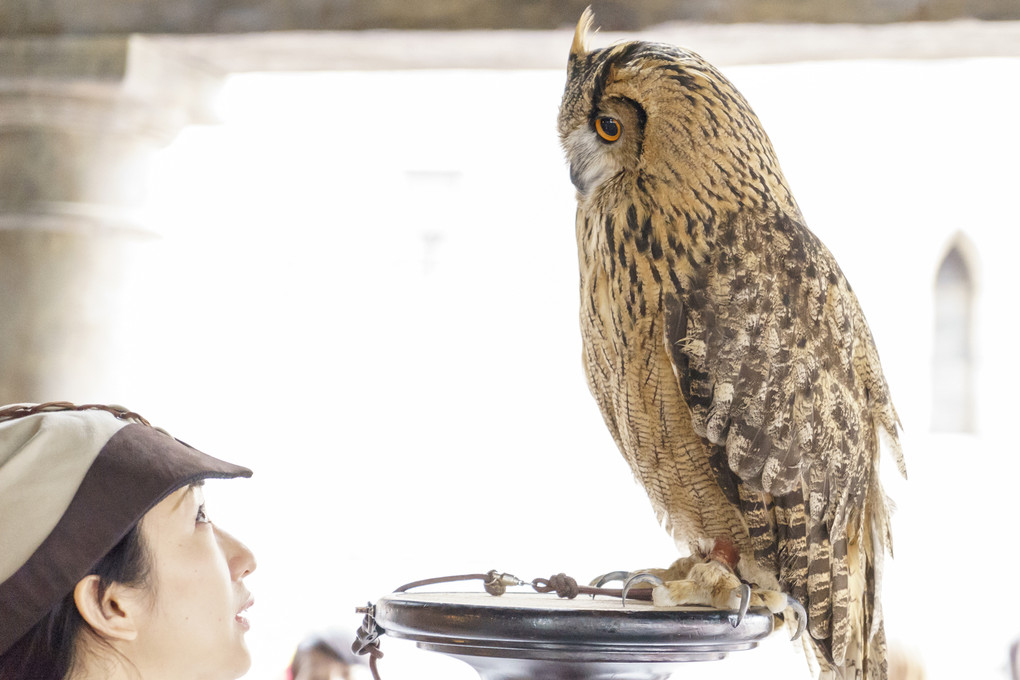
x,y
777,365
767,348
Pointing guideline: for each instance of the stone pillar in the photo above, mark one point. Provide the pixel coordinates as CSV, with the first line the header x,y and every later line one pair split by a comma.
x,y
80,120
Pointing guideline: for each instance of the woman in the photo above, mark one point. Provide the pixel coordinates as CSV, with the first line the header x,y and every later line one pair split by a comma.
x,y
110,566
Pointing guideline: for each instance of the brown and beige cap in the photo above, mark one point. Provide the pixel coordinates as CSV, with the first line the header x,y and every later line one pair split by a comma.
x,y
73,481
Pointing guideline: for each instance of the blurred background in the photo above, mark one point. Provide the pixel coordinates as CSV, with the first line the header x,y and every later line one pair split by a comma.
x,y
334,241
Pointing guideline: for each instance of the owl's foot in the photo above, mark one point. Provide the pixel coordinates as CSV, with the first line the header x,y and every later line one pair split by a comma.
x,y
690,591
710,580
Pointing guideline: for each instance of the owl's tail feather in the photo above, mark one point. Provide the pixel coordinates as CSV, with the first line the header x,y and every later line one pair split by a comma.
x,y
836,579
859,645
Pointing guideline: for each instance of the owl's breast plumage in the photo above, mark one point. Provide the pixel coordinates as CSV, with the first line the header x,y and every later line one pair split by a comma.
x,y
633,380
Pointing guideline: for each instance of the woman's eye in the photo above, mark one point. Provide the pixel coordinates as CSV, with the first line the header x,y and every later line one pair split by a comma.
x,y
202,517
608,128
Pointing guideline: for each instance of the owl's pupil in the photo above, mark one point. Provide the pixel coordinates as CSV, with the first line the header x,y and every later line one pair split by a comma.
x,y
608,127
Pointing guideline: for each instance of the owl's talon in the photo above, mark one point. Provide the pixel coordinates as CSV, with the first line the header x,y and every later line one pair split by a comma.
x,y
801,613
600,581
641,577
745,602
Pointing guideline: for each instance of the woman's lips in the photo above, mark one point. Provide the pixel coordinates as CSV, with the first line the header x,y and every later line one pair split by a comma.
x,y
240,617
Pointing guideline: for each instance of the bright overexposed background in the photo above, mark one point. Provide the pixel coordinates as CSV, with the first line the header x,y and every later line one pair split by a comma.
x,y
365,289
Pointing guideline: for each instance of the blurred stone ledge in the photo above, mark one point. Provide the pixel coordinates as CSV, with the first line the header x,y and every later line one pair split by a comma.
x,y
156,65
106,17
516,49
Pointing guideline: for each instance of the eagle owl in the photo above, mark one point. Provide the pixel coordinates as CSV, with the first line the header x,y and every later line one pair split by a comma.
x,y
728,354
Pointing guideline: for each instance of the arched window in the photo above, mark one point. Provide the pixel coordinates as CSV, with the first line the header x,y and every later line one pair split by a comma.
x,y
952,376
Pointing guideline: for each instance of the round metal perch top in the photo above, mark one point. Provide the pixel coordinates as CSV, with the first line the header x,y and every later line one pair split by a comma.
x,y
527,635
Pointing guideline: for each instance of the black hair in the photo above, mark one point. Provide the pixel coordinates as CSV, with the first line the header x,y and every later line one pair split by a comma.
x,y
48,650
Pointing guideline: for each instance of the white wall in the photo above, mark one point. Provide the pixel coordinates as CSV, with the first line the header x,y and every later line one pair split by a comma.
x,y
366,291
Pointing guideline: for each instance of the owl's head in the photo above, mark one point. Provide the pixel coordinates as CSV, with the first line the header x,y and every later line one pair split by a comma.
x,y
661,114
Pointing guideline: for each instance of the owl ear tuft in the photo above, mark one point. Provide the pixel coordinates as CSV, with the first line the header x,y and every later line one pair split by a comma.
x,y
580,45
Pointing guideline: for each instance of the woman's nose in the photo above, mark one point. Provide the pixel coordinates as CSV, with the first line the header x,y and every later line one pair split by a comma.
x,y
240,559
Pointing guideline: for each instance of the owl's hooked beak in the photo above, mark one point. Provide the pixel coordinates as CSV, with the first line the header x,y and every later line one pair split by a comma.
x,y
590,160
577,179
590,165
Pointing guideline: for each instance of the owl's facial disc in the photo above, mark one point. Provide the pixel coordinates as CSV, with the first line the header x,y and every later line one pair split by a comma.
x,y
604,145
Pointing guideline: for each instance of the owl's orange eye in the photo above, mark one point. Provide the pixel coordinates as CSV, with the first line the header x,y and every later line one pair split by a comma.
x,y
608,128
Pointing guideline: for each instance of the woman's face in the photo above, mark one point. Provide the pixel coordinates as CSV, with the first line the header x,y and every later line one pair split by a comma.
x,y
195,627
